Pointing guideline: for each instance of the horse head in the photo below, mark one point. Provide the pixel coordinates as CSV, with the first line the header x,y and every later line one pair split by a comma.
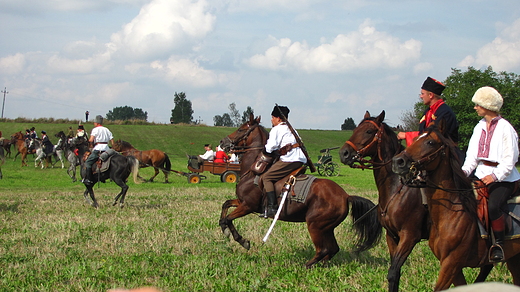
x,y
425,153
244,137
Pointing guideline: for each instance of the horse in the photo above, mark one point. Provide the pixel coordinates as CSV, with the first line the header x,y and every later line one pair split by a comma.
x,y
36,145
6,146
400,207
2,160
118,171
431,161
327,204
73,150
154,158
59,150
18,140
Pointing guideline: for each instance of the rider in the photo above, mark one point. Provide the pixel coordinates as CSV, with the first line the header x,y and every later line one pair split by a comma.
x,y
431,91
281,140
99,137
493,153
47,145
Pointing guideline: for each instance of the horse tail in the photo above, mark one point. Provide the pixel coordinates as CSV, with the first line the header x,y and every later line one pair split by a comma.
x,y
134,168
167,163
366,222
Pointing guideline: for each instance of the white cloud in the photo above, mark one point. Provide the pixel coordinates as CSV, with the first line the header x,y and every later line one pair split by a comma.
x,y
13,64
163,26
185,71
362,49
503,53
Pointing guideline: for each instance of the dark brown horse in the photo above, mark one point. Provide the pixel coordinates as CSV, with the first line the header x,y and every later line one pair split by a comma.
x,y
454,233
18,140
400,208
327,204
154,158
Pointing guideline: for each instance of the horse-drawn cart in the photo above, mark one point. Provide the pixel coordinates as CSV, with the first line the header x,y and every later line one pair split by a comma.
x,y
228,171
325,165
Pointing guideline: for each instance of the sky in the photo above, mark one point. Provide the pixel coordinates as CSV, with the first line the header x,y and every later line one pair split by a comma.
x,y
326,60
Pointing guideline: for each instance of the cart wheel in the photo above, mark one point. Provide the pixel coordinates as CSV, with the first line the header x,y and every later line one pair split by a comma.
x,y
332,169
194,178
229,177
321,170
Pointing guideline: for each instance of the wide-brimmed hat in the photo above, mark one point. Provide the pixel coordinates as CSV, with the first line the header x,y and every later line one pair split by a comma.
x,y
488,98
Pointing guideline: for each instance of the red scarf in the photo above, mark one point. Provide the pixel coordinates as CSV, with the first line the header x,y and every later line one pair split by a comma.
x,y
431,111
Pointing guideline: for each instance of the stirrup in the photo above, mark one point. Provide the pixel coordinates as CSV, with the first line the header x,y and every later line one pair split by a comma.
x,y
493,253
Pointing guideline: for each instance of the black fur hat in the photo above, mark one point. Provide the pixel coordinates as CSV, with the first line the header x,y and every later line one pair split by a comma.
x,y
433,85
279,110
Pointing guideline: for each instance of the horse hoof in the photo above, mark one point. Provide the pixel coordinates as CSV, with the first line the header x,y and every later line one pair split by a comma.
x,y
246,244
227,232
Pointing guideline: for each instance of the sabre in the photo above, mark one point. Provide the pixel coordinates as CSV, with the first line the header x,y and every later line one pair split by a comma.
x,y
286,189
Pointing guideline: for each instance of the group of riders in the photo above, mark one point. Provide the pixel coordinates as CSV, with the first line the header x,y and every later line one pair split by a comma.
x,y
491,156
48,148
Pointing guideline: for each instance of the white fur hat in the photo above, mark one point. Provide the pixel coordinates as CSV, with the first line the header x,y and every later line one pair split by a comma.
x,y
488,98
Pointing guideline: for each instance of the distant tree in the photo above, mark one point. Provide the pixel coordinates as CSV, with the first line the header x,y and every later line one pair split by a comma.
x,y
124,113
224,120
234,114
182,112
348,124
411,118
245,115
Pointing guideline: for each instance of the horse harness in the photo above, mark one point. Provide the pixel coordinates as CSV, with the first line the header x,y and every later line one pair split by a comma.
x,y
360,153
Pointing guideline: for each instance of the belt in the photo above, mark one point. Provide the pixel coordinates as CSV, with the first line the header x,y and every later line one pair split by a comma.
x,y
489,163
101,143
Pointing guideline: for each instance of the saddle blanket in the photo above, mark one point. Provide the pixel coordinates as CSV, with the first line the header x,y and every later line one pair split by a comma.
x,y
512,223
301,187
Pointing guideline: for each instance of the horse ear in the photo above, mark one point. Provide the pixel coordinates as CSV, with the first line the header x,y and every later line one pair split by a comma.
x,y
367,115
441,125
251,117
257,120
381,117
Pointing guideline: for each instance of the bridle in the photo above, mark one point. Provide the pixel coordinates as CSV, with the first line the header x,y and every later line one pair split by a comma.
x,y
235,146
361,153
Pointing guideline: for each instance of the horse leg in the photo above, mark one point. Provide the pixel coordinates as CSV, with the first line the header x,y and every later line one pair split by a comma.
x,y
484,272
226,221
166,173
513,264
156,172
89,196
121,196
450,273
324,241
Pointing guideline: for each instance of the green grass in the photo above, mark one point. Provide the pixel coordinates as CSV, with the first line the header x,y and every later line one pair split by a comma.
x,y
168,235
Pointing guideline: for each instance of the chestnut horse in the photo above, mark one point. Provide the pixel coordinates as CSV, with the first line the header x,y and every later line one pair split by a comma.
x,y
18,140
454,233
327,204
400,208
154,158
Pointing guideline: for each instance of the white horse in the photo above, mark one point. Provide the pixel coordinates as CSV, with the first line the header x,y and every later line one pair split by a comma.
x,y
40,154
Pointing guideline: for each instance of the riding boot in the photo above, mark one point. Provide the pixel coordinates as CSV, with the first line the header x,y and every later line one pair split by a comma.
x,y
272,205
88,176
496,252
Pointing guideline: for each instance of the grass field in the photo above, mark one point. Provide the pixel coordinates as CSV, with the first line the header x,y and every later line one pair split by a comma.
x,y
168,235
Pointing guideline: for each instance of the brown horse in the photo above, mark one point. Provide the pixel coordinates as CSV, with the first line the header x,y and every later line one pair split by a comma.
x,y
454,233
154,158
18,140
400,209
327,204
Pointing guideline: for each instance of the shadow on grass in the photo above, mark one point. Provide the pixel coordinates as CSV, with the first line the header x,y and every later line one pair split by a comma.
x,y
11,207
343,257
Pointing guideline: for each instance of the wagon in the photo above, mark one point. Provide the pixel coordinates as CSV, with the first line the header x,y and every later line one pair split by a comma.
x,y
325,165
229,172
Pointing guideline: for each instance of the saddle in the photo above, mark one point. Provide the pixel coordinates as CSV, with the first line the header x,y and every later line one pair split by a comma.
x,y
103,162
298,184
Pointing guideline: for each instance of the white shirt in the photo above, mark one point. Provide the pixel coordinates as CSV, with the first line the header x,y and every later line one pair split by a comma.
x,y
101,135
280,136
209,155
499,145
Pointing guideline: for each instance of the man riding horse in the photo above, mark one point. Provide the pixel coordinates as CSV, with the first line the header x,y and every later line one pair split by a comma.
x,y
99,137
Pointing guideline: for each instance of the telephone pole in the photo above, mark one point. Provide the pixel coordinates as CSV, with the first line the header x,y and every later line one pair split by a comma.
x,y
3,103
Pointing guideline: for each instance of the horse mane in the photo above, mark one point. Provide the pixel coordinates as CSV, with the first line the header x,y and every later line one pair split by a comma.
x,y
461,181
125,144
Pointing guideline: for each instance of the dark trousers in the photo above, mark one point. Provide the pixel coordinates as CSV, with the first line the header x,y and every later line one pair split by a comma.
x,y
278,171
92,158
499,193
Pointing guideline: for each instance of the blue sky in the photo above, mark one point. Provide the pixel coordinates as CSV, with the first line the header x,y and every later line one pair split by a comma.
x,y
325,60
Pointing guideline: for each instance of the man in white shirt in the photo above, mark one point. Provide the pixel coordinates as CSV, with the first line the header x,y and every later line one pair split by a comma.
x,y
281,139
99,137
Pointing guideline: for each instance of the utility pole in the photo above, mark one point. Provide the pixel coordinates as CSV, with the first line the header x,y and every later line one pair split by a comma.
x,y
3,103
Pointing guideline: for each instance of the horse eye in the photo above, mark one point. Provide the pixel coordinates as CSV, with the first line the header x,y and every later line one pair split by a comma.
x,y
370,132
431,142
